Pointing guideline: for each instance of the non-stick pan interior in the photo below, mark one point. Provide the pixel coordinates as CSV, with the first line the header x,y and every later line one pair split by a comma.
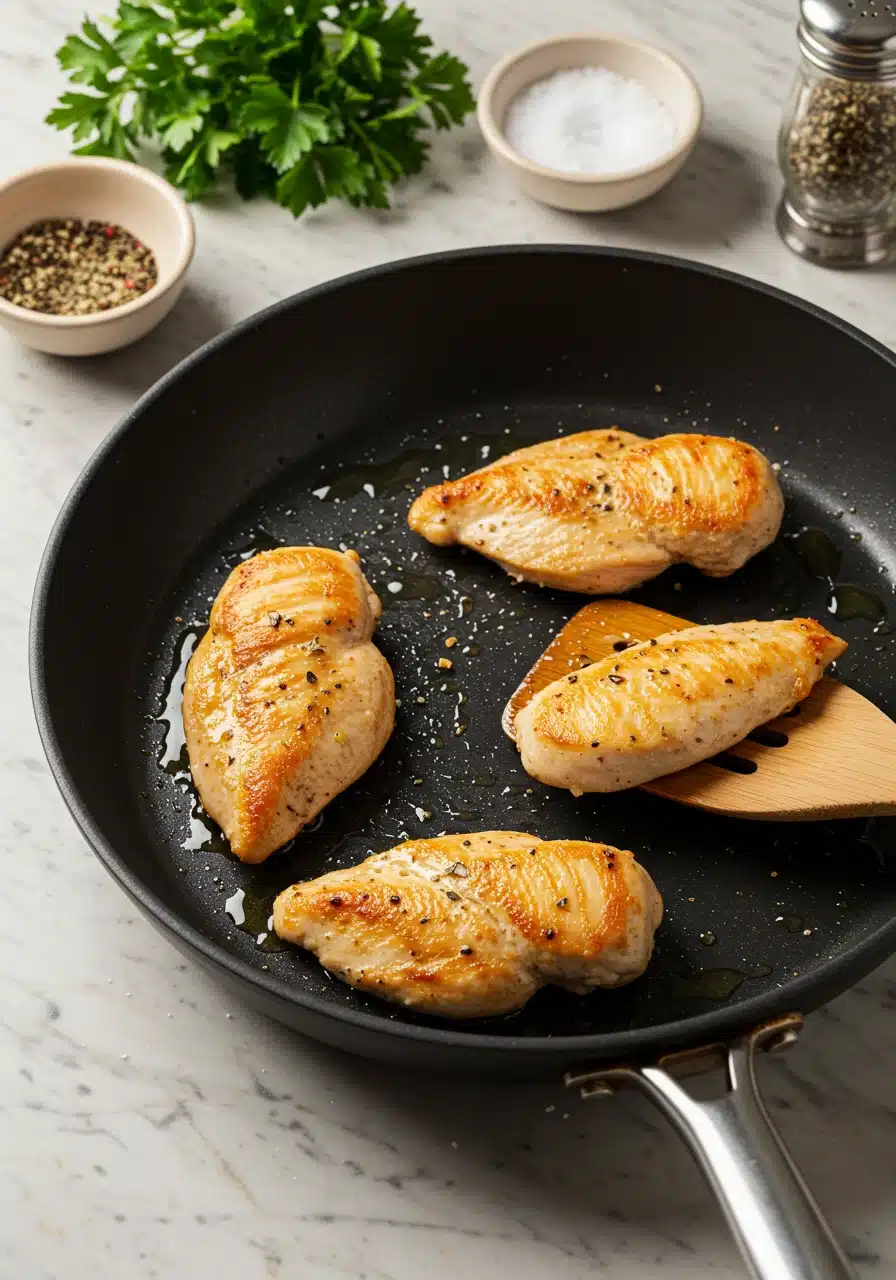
x,y
317,424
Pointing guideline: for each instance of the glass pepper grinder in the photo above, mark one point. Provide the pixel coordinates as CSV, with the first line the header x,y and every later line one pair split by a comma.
x,y
837,146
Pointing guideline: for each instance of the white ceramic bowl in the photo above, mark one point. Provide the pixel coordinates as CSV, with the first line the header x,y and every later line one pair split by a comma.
x,y
585,192
112,191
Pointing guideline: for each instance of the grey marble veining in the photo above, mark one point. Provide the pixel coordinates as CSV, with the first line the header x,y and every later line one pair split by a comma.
x,y
149,1127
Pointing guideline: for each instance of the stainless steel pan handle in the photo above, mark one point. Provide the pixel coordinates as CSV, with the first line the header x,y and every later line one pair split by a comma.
x,y
779,1228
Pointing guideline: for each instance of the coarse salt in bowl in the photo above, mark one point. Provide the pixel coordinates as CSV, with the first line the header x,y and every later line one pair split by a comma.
x,y
590,122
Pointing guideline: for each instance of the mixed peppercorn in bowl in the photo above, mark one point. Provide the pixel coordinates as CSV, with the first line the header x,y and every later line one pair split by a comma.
x,y
93,254
68,267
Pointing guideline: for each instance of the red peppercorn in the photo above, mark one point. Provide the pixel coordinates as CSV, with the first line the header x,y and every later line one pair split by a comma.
x,y
110,232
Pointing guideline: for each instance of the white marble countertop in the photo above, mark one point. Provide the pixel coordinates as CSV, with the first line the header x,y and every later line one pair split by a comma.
x,y
152,1128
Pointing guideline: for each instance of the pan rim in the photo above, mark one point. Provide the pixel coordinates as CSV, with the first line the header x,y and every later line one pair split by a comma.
x,y
794,994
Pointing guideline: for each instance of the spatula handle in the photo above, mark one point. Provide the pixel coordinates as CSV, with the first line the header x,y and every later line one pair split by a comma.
x,y
776,1223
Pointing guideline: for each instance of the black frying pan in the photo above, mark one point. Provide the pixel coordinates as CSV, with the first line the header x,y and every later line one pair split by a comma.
x,y
280,431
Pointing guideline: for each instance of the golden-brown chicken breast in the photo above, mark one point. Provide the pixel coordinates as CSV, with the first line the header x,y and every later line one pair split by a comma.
x,y
286,700
661,706
468,926
601,511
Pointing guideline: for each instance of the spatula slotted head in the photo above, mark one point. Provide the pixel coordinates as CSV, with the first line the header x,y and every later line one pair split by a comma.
x,y
834,756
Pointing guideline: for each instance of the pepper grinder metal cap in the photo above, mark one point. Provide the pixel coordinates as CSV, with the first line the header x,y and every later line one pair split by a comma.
x,y
855,39
849,40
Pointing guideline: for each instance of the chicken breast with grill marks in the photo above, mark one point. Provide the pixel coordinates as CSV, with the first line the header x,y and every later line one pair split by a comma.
x,y
661,706
286,701
471,926
601,511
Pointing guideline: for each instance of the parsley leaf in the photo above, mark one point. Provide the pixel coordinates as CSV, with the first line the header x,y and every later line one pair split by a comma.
x,y
80,112
139,25
304,102
442,84
89,58
324,172
180,129
286,129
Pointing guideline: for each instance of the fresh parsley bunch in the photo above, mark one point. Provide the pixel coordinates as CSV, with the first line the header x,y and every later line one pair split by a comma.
x,y
302,101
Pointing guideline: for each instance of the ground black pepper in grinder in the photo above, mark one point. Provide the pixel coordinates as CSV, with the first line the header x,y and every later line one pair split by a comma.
x,y
843,149
837,147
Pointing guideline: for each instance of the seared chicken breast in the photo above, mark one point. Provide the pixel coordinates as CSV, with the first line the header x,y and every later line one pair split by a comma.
x,y
661,706
286,699
601,511
468,926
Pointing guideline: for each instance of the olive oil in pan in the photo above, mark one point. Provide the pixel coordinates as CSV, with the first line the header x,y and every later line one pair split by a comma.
x,y
259,540
821,558
173,756
816,551
793,924
713,984
414,586
204,836
381,479
200,834
251,910
849,601
447,458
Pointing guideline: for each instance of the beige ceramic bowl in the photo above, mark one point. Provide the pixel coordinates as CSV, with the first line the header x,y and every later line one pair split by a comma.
x,y
584,192
110,191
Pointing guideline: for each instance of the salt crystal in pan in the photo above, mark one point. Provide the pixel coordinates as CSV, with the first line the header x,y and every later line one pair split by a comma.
x,y
589,121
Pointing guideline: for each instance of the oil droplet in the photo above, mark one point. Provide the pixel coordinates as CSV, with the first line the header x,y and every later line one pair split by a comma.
x,y
713,984
251,909
849,601
821,557
198,834
420,586
204,836
234,907
173,757
258,540
708,939
383,478
452,455
816,551
793,924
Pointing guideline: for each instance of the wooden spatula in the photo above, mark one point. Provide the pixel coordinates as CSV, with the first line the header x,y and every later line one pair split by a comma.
x,y
834,756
